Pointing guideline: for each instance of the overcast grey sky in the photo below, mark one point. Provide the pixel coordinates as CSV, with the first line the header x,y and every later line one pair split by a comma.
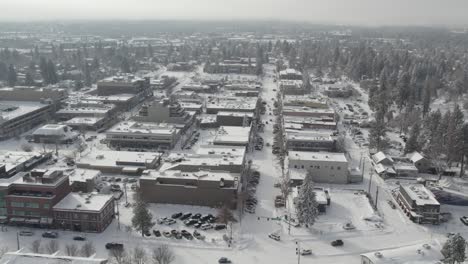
x,y
366,12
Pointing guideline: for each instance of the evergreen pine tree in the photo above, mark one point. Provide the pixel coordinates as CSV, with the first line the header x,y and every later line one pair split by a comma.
x,y
142,219
12,77
29,80
454,250
413,141
306,203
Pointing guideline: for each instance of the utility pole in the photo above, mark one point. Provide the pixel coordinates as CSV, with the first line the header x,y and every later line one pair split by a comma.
x,y
125,190
298,252
118,215
17,240
376,197
363,168
370,181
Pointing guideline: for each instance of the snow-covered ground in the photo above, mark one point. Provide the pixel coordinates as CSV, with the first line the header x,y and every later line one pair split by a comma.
x,y
251,243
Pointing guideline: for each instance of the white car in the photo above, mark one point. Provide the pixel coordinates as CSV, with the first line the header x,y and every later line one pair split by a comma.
x,y
306,252
274,237
348,226
26,233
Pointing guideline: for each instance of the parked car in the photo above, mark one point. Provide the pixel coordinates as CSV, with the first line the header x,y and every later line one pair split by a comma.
x,y
198,236
349,226
337,243
50,234
219,227
224,260
185,216
167,234
114,246
26,233
190,222
79,238
187,235
464,220
206,226
176,215
392,204
156,233
196,216
274,237
147,233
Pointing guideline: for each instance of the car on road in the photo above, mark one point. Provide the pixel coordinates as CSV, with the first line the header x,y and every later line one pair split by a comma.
x,y
224,260
26,233
50,234
464,220
337,243
79,238
306,252
348,226
274,237
114,246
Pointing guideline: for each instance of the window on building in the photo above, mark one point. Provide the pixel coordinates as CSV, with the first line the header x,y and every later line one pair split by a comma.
x,y
17,204
31,205
295,166
302,166
46,206
338,168
16,212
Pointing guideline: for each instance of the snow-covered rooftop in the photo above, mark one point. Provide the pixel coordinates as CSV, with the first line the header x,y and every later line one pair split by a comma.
x,y
13,109
232,135
83,121
420,194
143,128
318,156
84,202
309,136
55,130
117,158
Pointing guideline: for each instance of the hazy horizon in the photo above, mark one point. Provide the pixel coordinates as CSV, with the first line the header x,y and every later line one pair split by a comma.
x,y
354,12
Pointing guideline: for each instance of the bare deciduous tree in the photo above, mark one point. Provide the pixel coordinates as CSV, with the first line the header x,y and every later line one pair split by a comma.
x,y
36,246
71,250
163,255
88,249
138,256
52,247
225,215
119,256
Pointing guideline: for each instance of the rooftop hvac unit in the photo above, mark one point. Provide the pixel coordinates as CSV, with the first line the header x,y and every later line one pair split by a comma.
x,y
427,246
378,254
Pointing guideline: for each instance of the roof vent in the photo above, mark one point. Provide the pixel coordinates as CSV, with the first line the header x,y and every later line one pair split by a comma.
x,y
378,254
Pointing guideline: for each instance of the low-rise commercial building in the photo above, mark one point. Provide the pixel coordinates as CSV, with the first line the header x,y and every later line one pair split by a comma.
x,y
290,87
231,104
165,111
290,74
83,180
33,94
310,141
124,84
234,118
148,135
54,134
123,162
418,203
87,123
304,111
31,196
232,136
86,109
17,117
205,188
324,167
239,66
84,212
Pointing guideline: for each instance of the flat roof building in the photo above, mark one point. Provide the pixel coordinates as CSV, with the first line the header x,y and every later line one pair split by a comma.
x,y
419,204
84,212
136,134
124,84
17,117
232,135
325,167
19,257
310,141
125,162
